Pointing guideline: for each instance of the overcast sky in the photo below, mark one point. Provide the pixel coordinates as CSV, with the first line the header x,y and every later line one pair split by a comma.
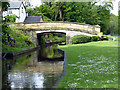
x,y
115,7
114,11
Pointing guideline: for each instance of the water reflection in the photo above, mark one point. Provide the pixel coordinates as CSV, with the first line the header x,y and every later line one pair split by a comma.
x,y
50,52
25,80
27,72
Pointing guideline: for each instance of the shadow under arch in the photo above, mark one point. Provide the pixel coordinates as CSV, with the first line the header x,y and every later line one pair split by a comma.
x,y
39,36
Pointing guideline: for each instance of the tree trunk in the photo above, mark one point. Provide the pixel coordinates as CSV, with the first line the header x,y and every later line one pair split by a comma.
x,y
60,10
55,17
60,14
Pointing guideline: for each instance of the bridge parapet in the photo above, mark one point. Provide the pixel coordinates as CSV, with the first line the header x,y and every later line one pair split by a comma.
x,y
57,25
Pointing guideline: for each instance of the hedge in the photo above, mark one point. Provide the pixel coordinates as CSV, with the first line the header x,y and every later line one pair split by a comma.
x,y
84,39
94,38
80,39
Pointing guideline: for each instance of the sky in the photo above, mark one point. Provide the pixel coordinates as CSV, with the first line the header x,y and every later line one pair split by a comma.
x,y
35,2
115,7
114,11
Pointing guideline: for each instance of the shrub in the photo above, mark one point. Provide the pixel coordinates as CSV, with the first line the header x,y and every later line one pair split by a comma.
x,y
94,38
38,14
43,40
46,18
80,39
104,38
88,38
10,18
21,40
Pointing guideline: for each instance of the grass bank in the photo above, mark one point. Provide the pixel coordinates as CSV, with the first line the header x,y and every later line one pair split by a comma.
x,y
91,65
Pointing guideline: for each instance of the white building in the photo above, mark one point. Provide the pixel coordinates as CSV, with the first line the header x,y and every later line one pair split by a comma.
x,y
25,2
119,5
18,9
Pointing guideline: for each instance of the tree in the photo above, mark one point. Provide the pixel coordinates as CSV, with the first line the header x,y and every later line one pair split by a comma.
x,y
57,7
83,12
113,24
5,6
30,11
10,18
43,10
90,13
104,14
119,23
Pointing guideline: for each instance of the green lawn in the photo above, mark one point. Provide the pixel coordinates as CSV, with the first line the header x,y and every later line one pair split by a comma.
x,y
91,65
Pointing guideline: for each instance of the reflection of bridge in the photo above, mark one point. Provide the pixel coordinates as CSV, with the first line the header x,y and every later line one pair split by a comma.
x,y
70,28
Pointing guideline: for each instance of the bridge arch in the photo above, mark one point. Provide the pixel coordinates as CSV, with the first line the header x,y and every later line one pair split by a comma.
x,y
70,28
40,34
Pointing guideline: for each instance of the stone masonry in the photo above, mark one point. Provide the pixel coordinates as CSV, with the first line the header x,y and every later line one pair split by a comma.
x,y
70,28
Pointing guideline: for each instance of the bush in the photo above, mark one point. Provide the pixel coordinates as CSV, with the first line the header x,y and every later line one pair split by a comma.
x,y
94,38
104,38
80,39
46,18
38,14
21,40
10,18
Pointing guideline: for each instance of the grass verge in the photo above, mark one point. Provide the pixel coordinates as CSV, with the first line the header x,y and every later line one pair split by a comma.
x,y
91,65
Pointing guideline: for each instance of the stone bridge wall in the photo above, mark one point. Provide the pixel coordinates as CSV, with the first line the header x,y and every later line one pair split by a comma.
x,y
70,28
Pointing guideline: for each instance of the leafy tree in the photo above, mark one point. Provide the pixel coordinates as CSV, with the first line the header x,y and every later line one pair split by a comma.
x,y
91,12
83,12
5,6
104,14
10,18
45,9
45,18
119,23
69,12
30,11
57,7
112,25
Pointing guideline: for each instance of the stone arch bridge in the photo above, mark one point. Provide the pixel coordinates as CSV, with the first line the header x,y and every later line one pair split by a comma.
x,y
70,28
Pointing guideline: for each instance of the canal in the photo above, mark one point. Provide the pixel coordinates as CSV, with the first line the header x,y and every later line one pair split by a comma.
x,y
41,68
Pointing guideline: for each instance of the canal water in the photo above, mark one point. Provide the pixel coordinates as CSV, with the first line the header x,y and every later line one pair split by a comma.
x,y
39,69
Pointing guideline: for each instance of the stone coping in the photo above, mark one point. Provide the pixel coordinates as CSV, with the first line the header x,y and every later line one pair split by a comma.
x,y
14,54
55,22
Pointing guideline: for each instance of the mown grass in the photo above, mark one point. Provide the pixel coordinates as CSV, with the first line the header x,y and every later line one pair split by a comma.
x,y
91,65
